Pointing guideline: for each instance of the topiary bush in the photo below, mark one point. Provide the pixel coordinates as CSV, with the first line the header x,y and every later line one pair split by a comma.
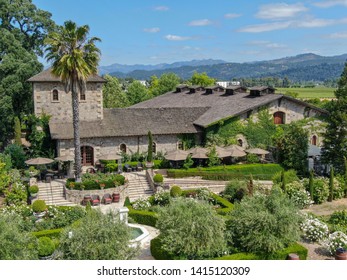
x,y
175,191
46,246
39,206
33,189
143,217
158,178
127,202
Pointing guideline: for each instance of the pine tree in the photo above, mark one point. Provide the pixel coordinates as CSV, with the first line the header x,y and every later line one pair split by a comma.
x,y
17,132
310,184
150,147
335,137
331,184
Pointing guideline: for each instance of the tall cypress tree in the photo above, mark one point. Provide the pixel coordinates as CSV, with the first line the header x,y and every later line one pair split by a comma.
x,y
331,185
335,137
150,147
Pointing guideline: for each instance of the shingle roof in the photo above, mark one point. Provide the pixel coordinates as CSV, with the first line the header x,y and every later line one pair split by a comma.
x,y
220,106
47,76
133,122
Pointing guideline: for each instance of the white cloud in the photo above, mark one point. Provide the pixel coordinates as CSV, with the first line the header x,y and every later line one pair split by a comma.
x,y
152,30
177,38
232,15
280,11
338,35
302,23
257,28
267,44
161,8
200,22
330,3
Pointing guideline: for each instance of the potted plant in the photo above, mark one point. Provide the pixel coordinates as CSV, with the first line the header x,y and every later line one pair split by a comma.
x,y
39,208
33,171
33,190
158,180
46,248
102,186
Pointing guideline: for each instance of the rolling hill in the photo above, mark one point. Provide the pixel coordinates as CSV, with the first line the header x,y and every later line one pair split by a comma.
x,y
303,67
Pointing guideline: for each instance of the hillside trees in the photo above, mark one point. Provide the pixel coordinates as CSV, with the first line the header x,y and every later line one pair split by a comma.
x,y
166,82
335,137
22,29
137,92
113,95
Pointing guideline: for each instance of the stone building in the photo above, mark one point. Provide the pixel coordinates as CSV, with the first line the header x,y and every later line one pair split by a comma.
x,y
171,116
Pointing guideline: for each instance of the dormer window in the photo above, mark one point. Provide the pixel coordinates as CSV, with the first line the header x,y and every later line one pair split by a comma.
x,y
55,95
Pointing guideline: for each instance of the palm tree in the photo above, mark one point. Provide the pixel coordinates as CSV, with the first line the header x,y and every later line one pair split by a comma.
x,y
74,58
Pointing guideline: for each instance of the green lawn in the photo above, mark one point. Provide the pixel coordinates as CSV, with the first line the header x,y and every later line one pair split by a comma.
x,y
317,92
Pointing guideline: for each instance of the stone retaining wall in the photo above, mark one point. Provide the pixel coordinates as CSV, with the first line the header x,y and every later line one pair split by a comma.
x,y
76,196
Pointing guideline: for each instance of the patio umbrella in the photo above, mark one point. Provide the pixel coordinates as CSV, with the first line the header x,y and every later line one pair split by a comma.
x,y
64,158
234,147
222,152
110,156
199,153
237,153
257,151
177,155
39,161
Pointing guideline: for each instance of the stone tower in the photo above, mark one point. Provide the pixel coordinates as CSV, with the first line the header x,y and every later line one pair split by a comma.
x,y
50,98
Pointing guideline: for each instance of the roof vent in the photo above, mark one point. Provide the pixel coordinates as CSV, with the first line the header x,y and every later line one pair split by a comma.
x,y
232,90
194,89
212,89
258,91
182,88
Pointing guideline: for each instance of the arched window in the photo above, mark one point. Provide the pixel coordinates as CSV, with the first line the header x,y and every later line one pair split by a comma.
x,y
154,148
55,95
87,155
314,140
240,142
279,117
123,148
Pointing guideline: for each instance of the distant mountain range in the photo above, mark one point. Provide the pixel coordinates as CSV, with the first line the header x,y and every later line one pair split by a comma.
x,y
299,68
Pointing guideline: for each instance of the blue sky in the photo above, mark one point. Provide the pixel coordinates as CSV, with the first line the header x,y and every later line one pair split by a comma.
x,y
152,32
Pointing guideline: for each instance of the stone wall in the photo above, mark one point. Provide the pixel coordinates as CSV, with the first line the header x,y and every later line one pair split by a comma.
x,y
165,143
61,110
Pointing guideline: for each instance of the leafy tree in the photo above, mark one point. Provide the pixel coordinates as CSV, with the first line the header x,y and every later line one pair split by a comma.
x,y
167,82
191,229
292,148
335,136
75,57
213,158
188,163
17,155
26,22
16,67
97,236
39,136
202,79
113,95
137,92
263,224
15,243
4,176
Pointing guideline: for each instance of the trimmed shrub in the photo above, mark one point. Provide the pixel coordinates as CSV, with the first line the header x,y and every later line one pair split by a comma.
x,y
39,206
175,191
240,256
33,189
161,198
52,233
46,246
127,202
143,217
235,190
158,252
158,178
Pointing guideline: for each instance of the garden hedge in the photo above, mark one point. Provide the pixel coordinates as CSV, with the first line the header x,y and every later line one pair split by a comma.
x,y
52,233
229,172
143,217
296,248
157,252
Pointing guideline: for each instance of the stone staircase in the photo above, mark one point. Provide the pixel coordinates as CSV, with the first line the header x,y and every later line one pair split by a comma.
x,y
137,186
53,193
